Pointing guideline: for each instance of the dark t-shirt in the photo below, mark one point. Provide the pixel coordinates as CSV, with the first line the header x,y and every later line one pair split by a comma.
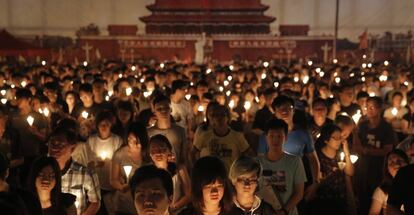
x,y
92,110
333,184
377,137
315,129
402,190
351,109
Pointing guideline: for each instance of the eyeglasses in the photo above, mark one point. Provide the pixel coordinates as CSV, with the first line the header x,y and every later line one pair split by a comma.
x,y
247,181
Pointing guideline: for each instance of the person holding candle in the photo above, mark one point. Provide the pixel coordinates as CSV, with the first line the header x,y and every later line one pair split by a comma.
x,y
132,154
103,145
394,160
319,117
330,195
160,150
124,117
394,114
210,187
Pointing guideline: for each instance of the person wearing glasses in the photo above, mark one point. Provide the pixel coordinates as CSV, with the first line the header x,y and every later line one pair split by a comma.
x,y
244,174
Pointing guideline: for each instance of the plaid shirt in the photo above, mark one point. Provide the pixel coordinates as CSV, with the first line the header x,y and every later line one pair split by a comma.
x,y
82,182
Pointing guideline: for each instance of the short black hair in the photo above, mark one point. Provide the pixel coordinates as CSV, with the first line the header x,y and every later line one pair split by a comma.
x,y
149,172
85,88
103,115
178,84
281,100
319,101
160,98
377,100
23,93
362,94
275,124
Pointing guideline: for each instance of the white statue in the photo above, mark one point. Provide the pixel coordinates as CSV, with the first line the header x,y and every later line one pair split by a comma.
x,y
199,49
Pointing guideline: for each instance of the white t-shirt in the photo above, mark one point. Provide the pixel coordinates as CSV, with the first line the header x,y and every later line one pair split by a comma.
x,y
228,148
382,197
107,147
181,113
281,176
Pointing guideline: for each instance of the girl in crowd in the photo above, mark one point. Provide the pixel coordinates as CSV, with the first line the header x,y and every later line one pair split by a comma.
x,y
71,102
210,188
245,174
45,182
335,166
394,160
132,154
160,151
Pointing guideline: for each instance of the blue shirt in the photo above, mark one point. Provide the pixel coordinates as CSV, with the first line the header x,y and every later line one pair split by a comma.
x,y
298,142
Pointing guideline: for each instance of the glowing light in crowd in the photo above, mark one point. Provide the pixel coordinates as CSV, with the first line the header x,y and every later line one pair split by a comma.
x,y
110,93
357,116
354,158
128,91
318,70
142,80
231,104
221,88
127,170
85,114
23,83
147,93
228,92
162,65
310,63
85,63
321,74
331,96
133,68
191,83
305,79
335,61
265,64
394,111
231,67
363,79
226,83
30,120
3,101
257,98
12,86
229,78
372,94
107,98
200,108
342,156
3,92
46,112
43,63
386,63
208,71
352,75
383,78
247,105
364,65
188,96
343,114
335,74
276,84
296,79
406,83
364,56
337,80
104,155
120,75
369,65
318,135
341,163
263,75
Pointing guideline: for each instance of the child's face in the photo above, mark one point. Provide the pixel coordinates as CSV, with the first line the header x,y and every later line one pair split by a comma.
x,y
104,128
275,138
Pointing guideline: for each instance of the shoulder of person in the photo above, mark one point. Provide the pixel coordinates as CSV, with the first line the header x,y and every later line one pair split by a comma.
x,y
189,210
67,199
266,208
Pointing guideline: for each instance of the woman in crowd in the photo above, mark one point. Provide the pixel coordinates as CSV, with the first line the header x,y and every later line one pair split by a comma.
x,y
211,192
160,150
245,174
45,182
133,155
394,160
334,157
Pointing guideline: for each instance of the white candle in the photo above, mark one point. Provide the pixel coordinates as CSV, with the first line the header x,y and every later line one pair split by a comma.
x,y
265,64
43,63
188,96
356,117
386,63
231,104
310,63
342,156
162,65
208,71
228,92
221,88
104,155
394,111
247,105
354,158
85,63
229,77
128,91
85,114
200,108
335,61
30,120
3,92
133,68
231,67
337,80
127,170
23,83
305,79
3,101
276,84
46,112
296,79
263,75
226,83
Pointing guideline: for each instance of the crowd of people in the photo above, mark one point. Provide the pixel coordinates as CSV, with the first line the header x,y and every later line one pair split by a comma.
x,y
175,138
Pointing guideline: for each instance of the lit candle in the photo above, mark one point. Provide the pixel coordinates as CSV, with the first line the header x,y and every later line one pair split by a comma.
x,y
128,91
228,92
85,63
226,83
162,65
3,101
305,79
12,86
85,114
364,65
247,105
386,63
231,104
265,64
383,78
231,67
310,63
46,112
318,135
208,71
369,65
188,96
229,77
357,116
335,61
133,68
337,80
318,70
394,111
296,79
354,158
321,74
30,120
341,163
3,92
107,98
147,94
200,108
364,56
276,84
263,75
127,170
342,156
120,75
23,83
103,155
406,83
257,98
43,63
221,88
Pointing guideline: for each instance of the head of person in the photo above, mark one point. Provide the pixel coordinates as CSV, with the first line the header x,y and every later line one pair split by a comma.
x,y
122,86
276,133
45,176
220,116
124,111
138,138
346,124
374,107
319,108
70,98
23,97
161,106
284,108
51,91
86,94
397,98
362,99
98,87
62,142
160,149
202,87
179,88
103,122
330,137
244,174
393,161
346,94
209,184
152,190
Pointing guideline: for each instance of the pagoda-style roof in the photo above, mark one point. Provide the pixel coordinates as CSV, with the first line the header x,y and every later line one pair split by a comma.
x,y
207,5
207,19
